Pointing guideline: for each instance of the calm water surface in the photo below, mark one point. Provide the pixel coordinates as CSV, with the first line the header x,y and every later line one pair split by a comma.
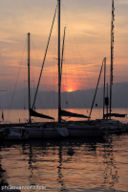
x,y
75,165
66,165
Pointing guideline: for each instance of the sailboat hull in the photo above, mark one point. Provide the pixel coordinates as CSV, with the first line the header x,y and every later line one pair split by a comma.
x,y
96,128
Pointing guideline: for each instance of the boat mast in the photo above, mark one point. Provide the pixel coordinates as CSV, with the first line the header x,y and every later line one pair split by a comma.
x,y
107,101
104,87
112,55
59,63
29,94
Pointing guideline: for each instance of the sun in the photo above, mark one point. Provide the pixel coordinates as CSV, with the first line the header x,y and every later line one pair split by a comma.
x,y
70,90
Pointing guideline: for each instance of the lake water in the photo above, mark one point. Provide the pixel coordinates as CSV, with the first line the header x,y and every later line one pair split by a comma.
x,y
72,166
80,165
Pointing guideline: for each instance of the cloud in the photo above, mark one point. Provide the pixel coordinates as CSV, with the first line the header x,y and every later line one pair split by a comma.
x,y
87,35
122,2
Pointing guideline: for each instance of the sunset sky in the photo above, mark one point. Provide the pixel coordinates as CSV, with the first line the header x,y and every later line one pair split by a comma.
x,y
87,42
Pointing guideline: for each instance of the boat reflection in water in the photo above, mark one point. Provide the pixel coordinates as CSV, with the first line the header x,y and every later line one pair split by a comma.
x,y
3,181
75,165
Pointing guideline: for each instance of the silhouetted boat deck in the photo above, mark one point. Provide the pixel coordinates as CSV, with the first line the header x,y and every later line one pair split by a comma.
x,y
71,129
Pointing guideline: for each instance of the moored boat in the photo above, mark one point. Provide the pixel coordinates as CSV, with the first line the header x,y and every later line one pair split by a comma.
x,y
87,128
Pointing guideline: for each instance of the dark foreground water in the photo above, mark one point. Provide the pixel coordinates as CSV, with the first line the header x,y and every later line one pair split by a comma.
x,y
76,165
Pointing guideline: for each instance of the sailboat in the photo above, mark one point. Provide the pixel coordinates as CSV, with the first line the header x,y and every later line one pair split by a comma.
x,y
61,112
110,114
86,128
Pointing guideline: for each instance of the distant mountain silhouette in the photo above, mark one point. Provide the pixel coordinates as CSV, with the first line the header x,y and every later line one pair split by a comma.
x,y
76,99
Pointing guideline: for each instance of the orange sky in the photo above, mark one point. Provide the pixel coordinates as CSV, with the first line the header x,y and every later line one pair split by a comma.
x,y
87,42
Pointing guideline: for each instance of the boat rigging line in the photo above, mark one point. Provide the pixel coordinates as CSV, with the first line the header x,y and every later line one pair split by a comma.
x,y
93,101
48,42
62,53
31,112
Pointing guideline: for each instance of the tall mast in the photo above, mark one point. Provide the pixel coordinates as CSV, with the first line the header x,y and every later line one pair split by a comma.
x,y
59,63
107,103
29,94
104,87
112,55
